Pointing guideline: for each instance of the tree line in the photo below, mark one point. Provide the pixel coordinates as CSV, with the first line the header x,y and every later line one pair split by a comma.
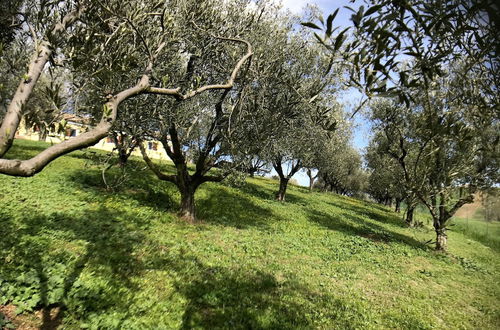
x,y
244,86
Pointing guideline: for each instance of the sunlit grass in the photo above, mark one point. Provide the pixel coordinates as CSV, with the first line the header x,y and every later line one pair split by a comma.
x,y
123,260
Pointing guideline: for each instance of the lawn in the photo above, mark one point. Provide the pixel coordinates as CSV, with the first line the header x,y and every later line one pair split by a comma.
x,y
76,255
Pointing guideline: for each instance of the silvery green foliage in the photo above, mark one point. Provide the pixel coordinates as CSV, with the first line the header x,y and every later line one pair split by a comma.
x,y
297,108
442,143
386,180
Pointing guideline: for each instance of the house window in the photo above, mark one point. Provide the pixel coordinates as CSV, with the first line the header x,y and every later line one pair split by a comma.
x,y
70,132
153,146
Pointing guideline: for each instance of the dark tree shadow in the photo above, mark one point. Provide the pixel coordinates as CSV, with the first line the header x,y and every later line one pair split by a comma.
x,y
51,274
247,298
381,214
268,191
142,187
356,226
238,297
229,209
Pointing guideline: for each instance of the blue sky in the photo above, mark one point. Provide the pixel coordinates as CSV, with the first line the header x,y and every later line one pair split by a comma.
x,y
362,128
326,6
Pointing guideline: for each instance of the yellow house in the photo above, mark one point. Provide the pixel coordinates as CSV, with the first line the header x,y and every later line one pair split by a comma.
x,y
75,125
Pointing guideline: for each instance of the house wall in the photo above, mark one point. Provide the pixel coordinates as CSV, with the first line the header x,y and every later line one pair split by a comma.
x,y
27,134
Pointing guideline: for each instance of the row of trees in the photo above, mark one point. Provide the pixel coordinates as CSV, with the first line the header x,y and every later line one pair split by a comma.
x,y
222,85
434,101
238,84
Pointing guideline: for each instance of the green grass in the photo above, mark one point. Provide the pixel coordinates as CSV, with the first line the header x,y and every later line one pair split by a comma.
x,y
480,230
124,260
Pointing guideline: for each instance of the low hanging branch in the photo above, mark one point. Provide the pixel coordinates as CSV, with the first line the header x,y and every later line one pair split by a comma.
x,y
34,165
30,167
41,55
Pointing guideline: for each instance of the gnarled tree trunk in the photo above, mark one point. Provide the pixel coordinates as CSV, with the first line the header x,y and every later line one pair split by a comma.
x,y
187,206
410,210
280,195
284,178
441,239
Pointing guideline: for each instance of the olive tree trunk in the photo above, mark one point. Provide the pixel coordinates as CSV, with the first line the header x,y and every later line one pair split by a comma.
x,y
284,178
280,195
441,238
409,219
441,215
398,205
187,206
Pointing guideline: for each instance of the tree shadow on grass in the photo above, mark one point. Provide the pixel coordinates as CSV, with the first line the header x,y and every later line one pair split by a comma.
x,y
356,226
43,257
143,187
78,266
239,297
267,191
373,211
215,204
220,206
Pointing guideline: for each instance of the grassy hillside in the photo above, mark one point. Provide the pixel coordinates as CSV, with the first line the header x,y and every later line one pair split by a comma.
x,y
124,260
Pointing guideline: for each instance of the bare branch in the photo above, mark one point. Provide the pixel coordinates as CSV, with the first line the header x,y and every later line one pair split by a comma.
x,y
175,92
34,165
154,168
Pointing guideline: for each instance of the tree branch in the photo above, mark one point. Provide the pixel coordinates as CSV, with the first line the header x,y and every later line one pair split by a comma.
x,y
34,165
42,53
154,168
175,92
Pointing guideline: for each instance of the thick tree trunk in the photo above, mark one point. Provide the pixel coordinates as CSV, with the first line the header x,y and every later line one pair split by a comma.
x,y
409,215
441,239
187,209
280,195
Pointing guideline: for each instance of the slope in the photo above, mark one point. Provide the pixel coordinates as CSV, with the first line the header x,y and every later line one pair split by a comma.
x,y
123,260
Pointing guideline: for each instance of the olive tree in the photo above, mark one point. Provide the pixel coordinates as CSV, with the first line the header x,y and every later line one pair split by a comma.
x,y
387,180
415,52
341,170
117,51
443,144
215,129
298,106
